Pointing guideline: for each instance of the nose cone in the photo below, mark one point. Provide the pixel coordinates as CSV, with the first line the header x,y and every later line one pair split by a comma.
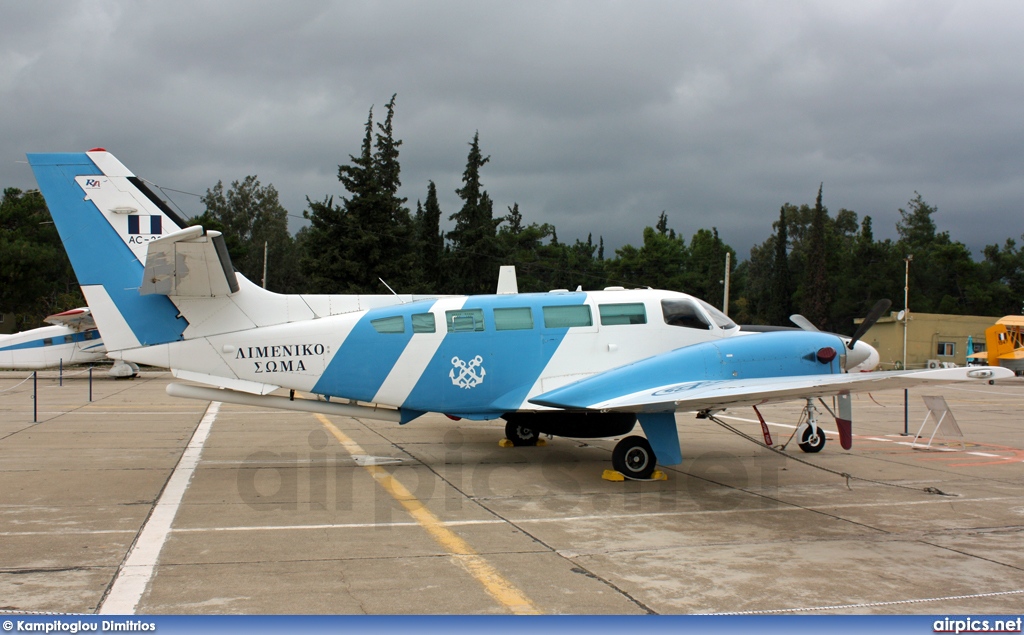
x,y
862,358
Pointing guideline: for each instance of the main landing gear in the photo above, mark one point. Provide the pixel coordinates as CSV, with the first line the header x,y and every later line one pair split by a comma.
x,y
520,435
634,458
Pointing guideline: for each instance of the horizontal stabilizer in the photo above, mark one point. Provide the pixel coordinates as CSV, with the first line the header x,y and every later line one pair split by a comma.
x,y
190,263
76,319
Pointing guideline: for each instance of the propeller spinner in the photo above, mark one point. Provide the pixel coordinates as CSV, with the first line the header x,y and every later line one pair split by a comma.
x,y
858,353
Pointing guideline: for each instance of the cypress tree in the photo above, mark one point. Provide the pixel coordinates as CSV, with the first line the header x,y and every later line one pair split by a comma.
x,y
816,291
780,293
475,260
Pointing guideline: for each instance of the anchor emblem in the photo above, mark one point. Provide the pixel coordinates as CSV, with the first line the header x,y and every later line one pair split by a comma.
x,y
466,374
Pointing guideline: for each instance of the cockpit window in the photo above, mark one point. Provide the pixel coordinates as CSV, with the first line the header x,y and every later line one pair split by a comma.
x,y
684,313
721,319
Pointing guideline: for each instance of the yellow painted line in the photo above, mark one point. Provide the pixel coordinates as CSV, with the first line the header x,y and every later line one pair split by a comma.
x,y
503,591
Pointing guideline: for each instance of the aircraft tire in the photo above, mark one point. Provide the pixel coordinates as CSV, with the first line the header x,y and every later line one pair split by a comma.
x,y
634,457
520,435
810,443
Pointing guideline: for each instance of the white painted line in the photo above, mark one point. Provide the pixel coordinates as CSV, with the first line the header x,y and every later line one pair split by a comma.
x,y
783,507
137,569
838,607
68,532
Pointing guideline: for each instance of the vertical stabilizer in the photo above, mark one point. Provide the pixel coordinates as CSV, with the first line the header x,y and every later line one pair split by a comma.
x,y
106,216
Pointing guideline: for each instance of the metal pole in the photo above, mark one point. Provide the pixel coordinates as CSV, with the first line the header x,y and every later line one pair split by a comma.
x,y
725,302
264,264
61,384
906,320
90,384
35,397
906,307
906,411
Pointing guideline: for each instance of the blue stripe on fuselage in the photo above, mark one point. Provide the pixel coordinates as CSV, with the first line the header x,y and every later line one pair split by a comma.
x,y
512,360
55,340
98,254
366,357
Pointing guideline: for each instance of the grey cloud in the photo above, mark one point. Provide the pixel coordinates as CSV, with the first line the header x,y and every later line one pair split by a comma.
x,y
597,115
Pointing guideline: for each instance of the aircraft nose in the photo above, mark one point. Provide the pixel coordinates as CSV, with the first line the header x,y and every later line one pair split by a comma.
x,y
863,357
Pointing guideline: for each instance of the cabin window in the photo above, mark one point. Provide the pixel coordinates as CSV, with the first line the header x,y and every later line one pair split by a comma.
x,y
721,319
465,320
632,313
684,313
394,324
423,323
513,319
91,335
560,317
946,349
48,341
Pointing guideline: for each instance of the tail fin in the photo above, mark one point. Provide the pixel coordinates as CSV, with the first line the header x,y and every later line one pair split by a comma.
x,y
105,216
998,342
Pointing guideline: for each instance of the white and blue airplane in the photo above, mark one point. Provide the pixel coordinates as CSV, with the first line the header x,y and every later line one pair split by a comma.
x,y
578,364
72,339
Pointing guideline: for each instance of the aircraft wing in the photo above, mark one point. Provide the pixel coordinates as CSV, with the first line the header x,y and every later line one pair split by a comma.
x,y
727,393
79,319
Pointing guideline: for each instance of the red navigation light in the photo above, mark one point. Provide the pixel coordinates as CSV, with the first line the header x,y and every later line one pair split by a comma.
x,y
826,355
98,150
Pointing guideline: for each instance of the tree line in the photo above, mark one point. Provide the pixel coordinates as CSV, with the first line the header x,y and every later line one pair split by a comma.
x,y
828,267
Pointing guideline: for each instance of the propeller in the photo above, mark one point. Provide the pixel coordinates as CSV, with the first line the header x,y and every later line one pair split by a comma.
x,y
869,320
803,323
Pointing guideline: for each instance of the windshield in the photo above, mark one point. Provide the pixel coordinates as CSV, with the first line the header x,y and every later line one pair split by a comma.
x,y
684,313
721,319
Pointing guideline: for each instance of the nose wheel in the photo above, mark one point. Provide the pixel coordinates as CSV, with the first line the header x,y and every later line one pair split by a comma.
x,y
811,437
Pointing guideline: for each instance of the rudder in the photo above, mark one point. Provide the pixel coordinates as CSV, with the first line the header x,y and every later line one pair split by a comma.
x,y
105,216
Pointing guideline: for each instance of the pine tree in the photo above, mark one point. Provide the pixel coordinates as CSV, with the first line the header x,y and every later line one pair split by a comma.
x,y
816,288
780,293
430,242
367,238
474,258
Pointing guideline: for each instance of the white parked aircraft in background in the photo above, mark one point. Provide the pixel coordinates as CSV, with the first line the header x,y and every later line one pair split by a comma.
x,y
73,339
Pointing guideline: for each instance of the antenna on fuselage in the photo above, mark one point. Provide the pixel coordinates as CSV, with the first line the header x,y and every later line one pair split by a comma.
x,y
391,290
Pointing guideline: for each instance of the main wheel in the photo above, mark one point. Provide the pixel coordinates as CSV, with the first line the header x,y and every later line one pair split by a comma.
x,y
634,457
520,435
811,442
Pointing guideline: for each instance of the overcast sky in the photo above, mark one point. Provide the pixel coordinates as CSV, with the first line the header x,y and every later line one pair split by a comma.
x,y
596,115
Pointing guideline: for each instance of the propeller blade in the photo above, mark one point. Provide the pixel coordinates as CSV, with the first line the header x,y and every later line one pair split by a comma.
x,y
869,320
803,323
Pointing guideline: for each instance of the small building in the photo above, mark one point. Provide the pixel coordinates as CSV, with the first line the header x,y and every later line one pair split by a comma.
x,y
932,339
6,323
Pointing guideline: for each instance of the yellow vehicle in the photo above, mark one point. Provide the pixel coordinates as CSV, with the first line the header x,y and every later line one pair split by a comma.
x,y
1004,343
